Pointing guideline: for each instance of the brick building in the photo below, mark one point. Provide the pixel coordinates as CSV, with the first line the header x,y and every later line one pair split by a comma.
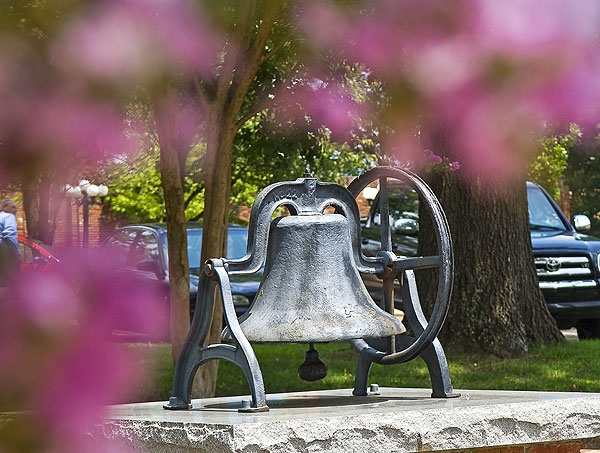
x,y
69,221
69,233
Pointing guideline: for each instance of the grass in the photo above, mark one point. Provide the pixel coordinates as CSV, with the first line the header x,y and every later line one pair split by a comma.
x,y
569,366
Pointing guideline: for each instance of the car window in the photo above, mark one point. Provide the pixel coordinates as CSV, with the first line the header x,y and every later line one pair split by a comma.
x,y
118,246
194,238
541,211
237,240
403,204
146,248
404,222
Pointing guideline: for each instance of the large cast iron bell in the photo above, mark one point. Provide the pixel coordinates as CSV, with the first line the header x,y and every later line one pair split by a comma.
x,y
311,290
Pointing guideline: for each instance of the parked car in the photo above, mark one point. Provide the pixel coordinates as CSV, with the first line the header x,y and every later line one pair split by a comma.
x,y
141,250
35,255
567,261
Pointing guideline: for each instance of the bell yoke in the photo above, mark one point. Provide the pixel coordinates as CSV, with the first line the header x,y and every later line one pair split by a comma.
x,y
312,292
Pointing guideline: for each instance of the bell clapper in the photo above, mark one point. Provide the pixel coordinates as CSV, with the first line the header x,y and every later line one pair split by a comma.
x,y
312,369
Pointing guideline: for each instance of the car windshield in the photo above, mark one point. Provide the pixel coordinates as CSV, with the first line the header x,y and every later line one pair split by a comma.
x,y
542,214
237,238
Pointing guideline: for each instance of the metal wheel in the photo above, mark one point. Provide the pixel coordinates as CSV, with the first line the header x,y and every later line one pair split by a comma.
x,y
402,268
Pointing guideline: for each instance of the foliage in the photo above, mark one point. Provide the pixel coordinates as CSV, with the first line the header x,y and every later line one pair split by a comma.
x,y
135,189
551,162
583,178
135,192
260,157
569,366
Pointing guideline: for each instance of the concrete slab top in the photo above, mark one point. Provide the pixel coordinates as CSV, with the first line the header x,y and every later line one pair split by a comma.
x,y
337,403
396,420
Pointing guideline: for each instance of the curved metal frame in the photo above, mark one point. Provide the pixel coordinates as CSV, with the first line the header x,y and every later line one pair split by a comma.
x,y
401,265
193,354
402,269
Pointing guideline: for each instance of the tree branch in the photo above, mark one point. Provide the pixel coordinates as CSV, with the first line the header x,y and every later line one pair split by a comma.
x,y
254,111
277,47
265,102
193,195
232,55
197,217
252,63
202,92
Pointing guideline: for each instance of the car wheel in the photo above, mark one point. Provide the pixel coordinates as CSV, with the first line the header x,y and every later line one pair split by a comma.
x,y
588,329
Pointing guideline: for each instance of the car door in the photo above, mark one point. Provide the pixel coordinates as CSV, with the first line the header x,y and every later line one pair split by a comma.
x,y
120,250
119,247
145,261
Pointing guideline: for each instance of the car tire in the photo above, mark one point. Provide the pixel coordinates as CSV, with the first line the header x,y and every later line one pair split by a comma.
x,y
588,329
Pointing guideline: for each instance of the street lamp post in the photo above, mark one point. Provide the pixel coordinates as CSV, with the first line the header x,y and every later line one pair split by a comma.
x,y
85,195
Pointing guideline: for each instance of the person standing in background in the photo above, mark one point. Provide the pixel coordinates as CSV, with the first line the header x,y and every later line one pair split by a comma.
x,y
9,242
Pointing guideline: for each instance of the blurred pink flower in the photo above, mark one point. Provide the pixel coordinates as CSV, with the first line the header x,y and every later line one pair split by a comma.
x,y
322,104
55,355
528,28
178,121
134,42
65,122
484,72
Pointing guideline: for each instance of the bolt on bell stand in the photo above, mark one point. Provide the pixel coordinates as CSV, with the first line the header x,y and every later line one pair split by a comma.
x,y
312,292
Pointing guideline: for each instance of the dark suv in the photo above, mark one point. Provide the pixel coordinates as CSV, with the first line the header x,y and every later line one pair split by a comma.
x,y
567,261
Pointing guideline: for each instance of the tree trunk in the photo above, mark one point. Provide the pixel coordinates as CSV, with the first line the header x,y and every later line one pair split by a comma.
x,y
31,206
497,306
179,284
41,207
223,107
222,101
219,134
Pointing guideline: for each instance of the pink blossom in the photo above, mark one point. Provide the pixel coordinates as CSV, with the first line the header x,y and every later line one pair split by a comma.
x,y
434,158
322,104
485,73
133,41
69,122
178,121
531,27
55,357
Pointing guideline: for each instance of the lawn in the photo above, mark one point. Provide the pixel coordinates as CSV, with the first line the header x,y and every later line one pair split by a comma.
x,y
569,366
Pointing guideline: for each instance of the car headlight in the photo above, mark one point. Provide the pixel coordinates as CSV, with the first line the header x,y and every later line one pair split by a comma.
x,y
598,261
240,300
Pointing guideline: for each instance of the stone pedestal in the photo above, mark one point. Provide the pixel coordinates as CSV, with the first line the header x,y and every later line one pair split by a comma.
x,y
396,420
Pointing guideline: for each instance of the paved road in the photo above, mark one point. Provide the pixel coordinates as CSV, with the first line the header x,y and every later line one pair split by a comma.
x,y
570,334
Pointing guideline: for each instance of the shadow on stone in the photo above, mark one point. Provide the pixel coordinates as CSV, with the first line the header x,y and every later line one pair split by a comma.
x,y
292,402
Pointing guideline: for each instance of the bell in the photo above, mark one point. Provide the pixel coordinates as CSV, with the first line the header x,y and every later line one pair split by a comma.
x,y
311,291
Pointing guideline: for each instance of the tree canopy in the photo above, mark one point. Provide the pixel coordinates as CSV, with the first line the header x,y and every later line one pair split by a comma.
x,y
583,179
551,162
